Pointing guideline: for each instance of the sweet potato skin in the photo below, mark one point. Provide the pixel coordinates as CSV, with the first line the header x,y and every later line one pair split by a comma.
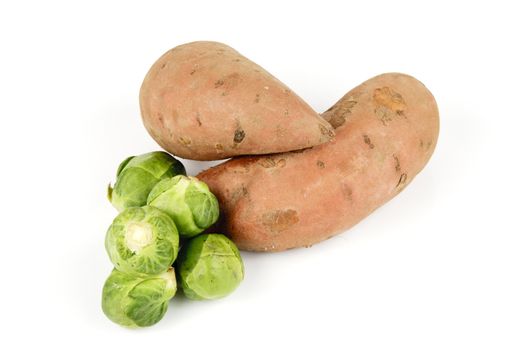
x,y
205,101
386,131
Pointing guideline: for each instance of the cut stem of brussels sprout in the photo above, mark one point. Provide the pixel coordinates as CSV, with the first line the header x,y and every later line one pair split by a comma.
x,y
138,235
134,301
188,201
137,175
210,267
142,241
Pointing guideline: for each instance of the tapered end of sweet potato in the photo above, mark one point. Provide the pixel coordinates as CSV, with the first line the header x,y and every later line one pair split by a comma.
x,y
205,101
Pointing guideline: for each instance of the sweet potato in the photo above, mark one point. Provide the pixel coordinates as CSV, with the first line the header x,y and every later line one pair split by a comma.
x,y
386,131
205,101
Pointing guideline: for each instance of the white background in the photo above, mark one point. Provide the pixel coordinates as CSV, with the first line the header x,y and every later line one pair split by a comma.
x,y
442,266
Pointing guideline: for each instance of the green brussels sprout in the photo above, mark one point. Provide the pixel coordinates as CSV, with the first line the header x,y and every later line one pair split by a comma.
x,y
134,301
137,175
187,201
143,241
210,267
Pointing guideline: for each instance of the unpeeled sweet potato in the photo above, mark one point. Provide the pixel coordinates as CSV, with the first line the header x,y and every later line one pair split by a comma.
x,y
386,131
204,101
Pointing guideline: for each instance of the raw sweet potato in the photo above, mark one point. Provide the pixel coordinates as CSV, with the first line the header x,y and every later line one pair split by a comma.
x,y
386,131
203,100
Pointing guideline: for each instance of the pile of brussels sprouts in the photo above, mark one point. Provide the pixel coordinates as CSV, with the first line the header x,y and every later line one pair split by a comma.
x,y
162,210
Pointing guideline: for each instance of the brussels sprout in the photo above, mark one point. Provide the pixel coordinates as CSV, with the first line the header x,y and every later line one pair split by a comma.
x,y
134,301
188,202
210,267
137,175
142,241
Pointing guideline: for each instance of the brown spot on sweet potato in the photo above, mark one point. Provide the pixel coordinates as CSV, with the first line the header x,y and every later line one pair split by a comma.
x,y
401,114
389,98
337,120
238,193
239,135
325,131
219,148
192,72
389,104
402,180
185,141
163,65
320,164
279,220
340,112
398,166
347,191
257,98
383,114
266,163
198,120
425,146
241,169
368,141
271,163
228,82
286,112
